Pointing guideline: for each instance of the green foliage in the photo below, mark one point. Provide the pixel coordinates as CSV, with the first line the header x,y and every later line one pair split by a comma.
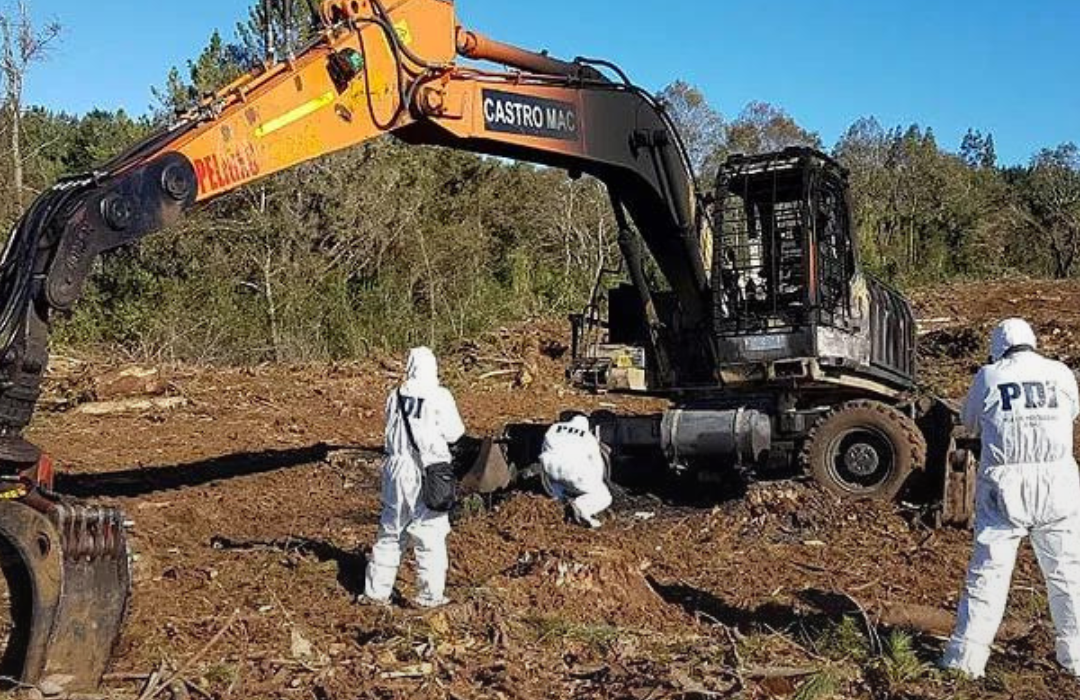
x,y
217,66
923,214
100,135
1049,208
762,128
900,663
977,150
557,629
290,27
821,686
846,641
701,126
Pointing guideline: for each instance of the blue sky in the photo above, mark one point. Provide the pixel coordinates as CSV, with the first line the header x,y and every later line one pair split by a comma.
x,y
1011,68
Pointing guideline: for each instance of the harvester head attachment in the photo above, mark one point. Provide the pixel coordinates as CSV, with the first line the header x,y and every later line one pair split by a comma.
x,y
489,471
68,572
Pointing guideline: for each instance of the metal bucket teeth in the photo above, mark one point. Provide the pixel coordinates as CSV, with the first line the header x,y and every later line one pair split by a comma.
x,y
76,572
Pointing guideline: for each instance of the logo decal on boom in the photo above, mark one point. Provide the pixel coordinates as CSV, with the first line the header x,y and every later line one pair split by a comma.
x,y
220,170
529,116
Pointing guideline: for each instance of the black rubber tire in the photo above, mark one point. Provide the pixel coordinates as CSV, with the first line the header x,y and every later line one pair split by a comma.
x,y
864,450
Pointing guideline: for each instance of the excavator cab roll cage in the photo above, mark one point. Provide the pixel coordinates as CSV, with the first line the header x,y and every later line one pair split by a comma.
x,y
786,277
775,212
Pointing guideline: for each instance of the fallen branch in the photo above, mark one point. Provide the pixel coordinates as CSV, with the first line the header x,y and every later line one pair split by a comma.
x,y
736,657
501,360
108,408
419,671
871,628
692,687
937,622
9,680
810,567
120,677
152,692
152,682
926,619
497,373
764,672
289,663
192,685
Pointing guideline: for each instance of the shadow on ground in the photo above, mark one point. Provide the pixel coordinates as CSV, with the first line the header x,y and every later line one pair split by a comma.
x,y
142,481
351,565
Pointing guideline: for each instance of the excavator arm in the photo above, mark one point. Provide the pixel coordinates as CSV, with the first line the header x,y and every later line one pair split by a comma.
x,y
370,70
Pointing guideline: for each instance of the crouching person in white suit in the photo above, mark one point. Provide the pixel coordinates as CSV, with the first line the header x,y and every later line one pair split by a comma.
x,y
435,423
1023,407
573,469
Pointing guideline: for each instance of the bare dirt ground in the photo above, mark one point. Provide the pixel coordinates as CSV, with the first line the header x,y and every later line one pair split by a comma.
x,y
251,527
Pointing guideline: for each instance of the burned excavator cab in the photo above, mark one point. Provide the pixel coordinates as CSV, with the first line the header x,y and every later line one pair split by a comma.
x,y
789,299
790,304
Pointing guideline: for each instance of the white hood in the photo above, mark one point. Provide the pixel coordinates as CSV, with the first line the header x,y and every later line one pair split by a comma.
x,y
580,423
1009,334
421,370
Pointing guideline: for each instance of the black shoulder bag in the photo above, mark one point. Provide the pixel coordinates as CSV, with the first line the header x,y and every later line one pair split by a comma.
x,y
438,489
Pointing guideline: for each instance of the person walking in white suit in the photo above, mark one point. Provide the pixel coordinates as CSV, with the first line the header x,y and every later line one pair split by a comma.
x,y
1022,406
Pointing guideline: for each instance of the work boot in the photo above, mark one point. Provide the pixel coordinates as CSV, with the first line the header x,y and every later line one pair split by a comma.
x,y
966,659
580,518
430,603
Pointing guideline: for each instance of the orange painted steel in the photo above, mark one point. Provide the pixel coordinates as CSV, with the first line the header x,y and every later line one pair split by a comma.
x,y
276,118
481,48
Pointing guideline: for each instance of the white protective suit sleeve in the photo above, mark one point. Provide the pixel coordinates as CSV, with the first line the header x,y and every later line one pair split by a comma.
x,y
434,419
1028,485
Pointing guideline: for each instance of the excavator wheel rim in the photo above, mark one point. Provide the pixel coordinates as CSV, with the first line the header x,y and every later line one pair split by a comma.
x,y
863,457
825,444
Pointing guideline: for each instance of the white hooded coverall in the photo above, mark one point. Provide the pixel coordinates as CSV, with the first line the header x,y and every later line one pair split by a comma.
x,y
1023,407
435,423
573,469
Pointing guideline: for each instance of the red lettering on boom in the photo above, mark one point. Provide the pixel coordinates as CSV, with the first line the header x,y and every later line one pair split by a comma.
x,y
214,173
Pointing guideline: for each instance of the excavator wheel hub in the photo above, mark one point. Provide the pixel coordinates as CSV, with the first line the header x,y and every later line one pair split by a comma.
x,y
862,459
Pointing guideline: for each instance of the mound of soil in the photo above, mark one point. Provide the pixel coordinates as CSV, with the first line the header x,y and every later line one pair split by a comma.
x,y
593,586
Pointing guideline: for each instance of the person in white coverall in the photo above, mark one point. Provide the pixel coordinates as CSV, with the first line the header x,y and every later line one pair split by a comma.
x,y
573,469
436,423
1023,407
